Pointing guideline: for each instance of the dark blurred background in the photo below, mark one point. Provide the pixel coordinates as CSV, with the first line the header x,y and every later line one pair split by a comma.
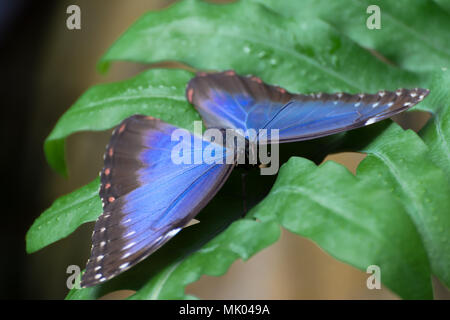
x,y
44,68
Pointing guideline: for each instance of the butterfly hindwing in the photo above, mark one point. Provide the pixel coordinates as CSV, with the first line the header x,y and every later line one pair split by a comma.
x,y
147,198
228,100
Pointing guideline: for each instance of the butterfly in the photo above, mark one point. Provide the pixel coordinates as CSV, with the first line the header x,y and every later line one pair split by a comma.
x,y
147,198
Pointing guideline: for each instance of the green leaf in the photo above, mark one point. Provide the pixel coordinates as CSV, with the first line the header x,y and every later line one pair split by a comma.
x,y
416,171
157,92
355,219
437,132
208,247
240,241
422,187
64,216
308,42
444,4
352,221
392,214
303,55
413,35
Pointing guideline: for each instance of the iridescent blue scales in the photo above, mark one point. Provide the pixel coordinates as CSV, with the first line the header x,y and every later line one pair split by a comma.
x,y
227,100
147,198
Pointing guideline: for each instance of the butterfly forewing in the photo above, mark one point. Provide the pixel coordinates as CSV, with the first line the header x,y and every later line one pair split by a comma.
x,y
228,100
147,198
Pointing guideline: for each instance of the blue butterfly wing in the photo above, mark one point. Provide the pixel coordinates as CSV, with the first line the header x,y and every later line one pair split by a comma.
x,y
312,116
227,100
147,198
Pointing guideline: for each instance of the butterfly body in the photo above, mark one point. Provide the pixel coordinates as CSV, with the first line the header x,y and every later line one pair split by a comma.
x,y
148,198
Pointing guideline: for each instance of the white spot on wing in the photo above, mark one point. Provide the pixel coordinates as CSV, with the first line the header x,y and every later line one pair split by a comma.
x,y
129,234
124,265
173,232
370,121
129,245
